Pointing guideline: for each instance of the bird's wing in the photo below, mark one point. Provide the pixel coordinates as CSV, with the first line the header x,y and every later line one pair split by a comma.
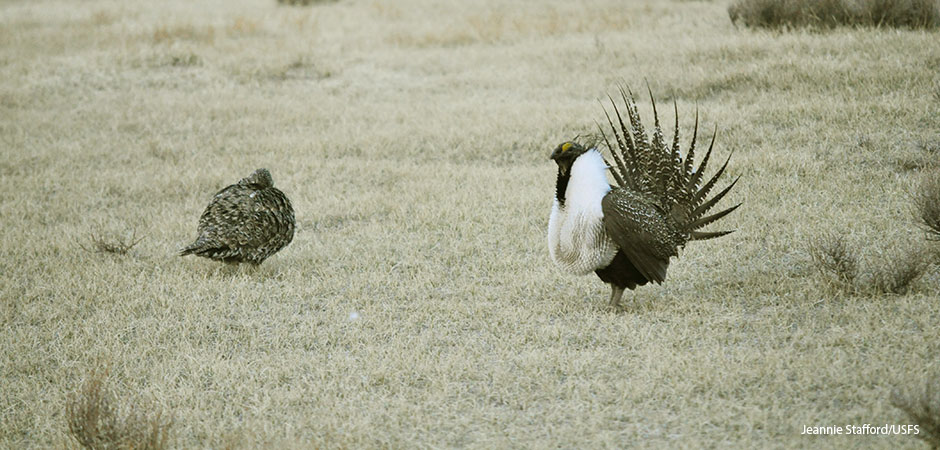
x,y
222,221
640,230
267,218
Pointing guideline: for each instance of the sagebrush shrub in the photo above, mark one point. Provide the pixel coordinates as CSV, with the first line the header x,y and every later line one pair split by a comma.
x,y
100,243
927,204
923,408
835,258
96,421
833,13
896,271
892,271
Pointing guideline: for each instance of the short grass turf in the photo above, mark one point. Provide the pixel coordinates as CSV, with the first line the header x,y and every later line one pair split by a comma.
x,y
417,305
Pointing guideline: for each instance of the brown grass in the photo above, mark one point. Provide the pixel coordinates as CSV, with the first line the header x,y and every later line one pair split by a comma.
x,y
836,259
417,306
887,271
165,34
895,271
304,2
922,407
927,203
97,421
833,13
100,242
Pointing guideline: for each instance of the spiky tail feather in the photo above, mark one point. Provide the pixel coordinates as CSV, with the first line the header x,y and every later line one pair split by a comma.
x,y
659,171
188,250
216,253
205,249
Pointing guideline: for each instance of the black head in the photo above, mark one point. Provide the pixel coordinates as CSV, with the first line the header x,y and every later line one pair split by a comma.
x,y
565,154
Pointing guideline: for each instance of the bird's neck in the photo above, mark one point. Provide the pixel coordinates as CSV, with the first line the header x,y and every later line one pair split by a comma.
x,y
585,183
561,185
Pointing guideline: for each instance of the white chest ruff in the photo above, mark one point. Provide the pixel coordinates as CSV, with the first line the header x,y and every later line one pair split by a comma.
x,y
577,241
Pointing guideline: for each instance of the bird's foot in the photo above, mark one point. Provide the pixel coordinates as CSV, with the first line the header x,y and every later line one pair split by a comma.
x,y
616,295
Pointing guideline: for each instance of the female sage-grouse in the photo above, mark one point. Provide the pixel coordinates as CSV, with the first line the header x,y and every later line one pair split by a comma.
x,y
245,222
627,233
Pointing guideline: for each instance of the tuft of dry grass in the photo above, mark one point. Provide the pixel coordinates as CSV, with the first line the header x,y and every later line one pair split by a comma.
x,y
927,203
836,259
304,2
929,146
890,271
894,271
96,421
496,25
99,242
833,13
183,32
923,408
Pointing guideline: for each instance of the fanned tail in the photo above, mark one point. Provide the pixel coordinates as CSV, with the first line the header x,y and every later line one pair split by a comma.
x,y
656,168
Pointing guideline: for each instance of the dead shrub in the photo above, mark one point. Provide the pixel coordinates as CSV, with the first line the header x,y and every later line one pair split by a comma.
x,y
835,259
923,408
95,421
927,204
896,270
118,245
898,13
892,271
833,13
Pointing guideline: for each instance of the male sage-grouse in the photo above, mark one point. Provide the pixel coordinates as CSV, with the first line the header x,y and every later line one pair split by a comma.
x,y
627,233
245,222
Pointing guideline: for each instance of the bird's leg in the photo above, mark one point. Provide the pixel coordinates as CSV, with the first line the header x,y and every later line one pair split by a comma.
x,y
616,293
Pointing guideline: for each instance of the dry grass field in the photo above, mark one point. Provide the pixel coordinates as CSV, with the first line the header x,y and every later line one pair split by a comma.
x,y
417,305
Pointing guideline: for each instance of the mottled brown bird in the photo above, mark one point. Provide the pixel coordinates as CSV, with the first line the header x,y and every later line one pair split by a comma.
x,y
626,233
245,222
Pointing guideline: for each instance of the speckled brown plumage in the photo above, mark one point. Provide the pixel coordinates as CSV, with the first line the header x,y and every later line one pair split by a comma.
x,y
245,222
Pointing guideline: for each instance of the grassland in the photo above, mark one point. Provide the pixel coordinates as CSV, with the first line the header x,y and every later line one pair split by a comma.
x,y
417,305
